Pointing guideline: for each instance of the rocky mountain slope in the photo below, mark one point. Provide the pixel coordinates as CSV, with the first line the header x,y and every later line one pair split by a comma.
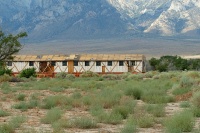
x,y
76,19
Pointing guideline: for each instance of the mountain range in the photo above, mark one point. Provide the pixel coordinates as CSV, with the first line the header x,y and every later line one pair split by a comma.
x,y
77,19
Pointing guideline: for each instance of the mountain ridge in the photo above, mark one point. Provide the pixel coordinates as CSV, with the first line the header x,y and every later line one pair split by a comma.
x,y
74,19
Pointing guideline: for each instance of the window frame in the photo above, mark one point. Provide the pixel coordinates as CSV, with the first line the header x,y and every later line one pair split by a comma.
x,y
121,63
75,63
109,63
53,63
87,63
31,63
9,63
98,63
64,63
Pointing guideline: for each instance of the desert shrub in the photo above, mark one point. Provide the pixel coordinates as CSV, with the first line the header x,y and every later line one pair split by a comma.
x,y
155,97
136,76
57,89
23,106
83,123
145,121
124,111
5,87
196,99
134,92
111,77
180,122
54,101
59,125
110,118
195,111
186,81
14,123
89,74
130,126
4,71
70,77
3,113
185,104
193,74
107,98
20,97
157,110
27,73
5,78
15,79
96,110
180,91
52,115
61,75
6,128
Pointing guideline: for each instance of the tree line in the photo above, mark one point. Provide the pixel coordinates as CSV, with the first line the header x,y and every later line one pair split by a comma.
x,y
171,63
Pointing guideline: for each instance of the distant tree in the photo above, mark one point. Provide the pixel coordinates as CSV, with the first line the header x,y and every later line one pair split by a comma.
x,y
9,45
154,62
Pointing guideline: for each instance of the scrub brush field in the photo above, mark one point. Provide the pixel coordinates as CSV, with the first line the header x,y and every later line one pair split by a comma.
x,y
152,102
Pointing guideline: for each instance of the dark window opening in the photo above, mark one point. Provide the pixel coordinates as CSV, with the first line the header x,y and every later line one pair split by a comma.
x,y
64,63
109,63
31,63
53,63
133,63
121,63
75,63
9,63
87,63
98,63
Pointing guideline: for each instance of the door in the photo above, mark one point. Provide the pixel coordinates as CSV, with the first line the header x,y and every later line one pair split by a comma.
x,y
43,66
70,66
103,69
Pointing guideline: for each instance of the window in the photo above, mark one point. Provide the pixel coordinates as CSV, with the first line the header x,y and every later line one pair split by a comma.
x,y
132,63
87,63
53,63
31,63
64,63
9,63
75,63
98,63
121,63
109,63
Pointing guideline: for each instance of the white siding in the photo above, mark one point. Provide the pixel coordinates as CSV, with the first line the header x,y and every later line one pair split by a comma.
x,y
17,67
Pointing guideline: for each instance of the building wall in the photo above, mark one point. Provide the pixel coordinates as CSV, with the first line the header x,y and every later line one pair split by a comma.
x,y
115,68
17,67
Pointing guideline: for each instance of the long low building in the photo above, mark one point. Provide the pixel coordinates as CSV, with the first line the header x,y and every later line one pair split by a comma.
x,y
49,65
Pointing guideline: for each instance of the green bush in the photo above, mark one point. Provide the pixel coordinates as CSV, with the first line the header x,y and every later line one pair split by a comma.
x,y
180,122
129,127
134,92
89,74
83,123
70,77
27,73
196,111
157,110
14,123
23,106
145,121
54,101
196,99
21,97
5,78
185,104
52,115
4,71
3,113
61,75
